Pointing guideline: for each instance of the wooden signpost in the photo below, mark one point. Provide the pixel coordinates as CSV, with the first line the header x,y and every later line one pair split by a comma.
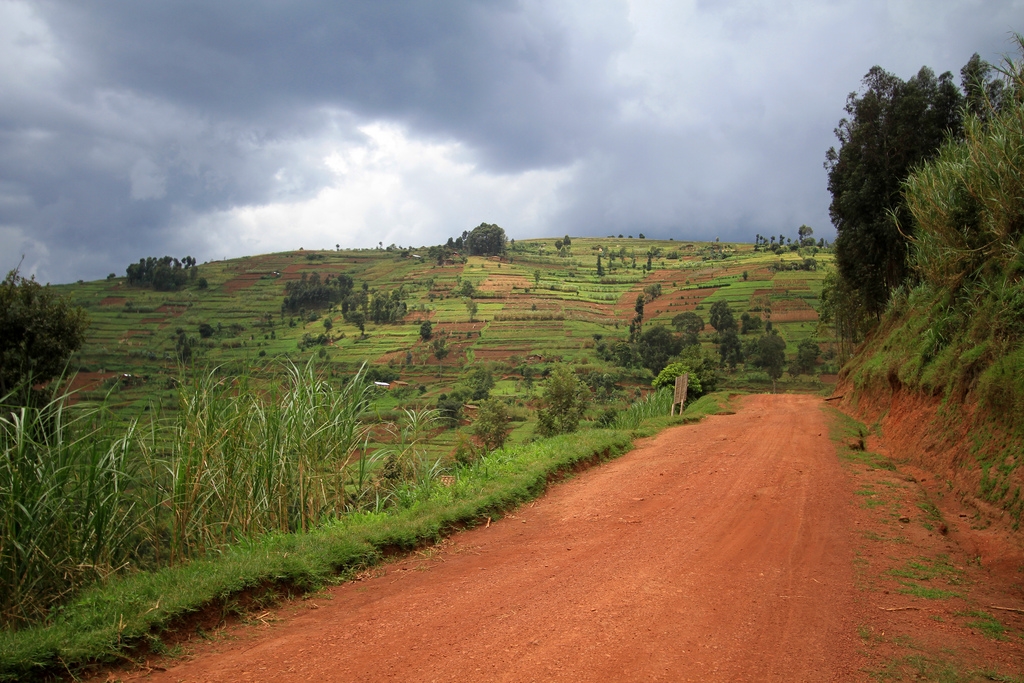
x,y
680,395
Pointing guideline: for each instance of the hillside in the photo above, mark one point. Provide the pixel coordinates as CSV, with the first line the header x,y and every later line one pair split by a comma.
x,y
533,308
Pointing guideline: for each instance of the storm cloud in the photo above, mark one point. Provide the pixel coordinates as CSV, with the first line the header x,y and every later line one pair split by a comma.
x,y
217,129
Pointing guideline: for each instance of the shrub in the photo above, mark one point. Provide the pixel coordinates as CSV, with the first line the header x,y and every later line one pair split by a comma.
x,y
492,423
563,402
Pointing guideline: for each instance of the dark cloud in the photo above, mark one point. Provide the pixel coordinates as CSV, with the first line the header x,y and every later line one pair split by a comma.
x,y
141,128
512,83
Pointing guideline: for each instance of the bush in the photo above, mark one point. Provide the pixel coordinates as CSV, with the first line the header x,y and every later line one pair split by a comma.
x,y
492,423
563,401
667,378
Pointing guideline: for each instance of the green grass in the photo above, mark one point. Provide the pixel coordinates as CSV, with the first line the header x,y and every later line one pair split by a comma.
x,y
915,573
850,434
926,592
987,624
923,668
927,569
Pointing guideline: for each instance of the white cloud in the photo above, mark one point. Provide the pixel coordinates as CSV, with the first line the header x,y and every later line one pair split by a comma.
x,y
392,188
20,249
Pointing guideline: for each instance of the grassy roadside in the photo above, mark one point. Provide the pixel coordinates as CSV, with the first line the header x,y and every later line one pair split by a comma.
x,y
127,615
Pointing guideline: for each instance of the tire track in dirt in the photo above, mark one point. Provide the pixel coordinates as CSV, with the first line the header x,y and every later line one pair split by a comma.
x,y
716,551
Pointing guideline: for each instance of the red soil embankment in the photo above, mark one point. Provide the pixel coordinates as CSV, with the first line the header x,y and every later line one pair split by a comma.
x,y
938,452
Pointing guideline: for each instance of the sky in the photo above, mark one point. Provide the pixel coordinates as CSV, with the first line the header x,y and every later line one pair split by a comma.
x,y
221,129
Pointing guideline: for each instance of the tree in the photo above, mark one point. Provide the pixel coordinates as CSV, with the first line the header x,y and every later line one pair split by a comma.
x,y
440,349
749,323
476,385
39,330
563,402
804,232
426,330
492,423
471,308
769,354
721,317
807,353
893,126
637,324
162,274
567,241
600,268
690,325
984,95
486,240
184,345
667,378
655,346
357,318
845,312
729,347
387,308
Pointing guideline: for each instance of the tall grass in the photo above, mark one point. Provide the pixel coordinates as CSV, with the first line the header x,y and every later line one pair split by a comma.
x,y
655,404
83,496
242,462
68,514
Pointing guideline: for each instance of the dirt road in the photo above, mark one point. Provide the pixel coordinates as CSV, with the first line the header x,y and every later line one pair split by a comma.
x,y
722,551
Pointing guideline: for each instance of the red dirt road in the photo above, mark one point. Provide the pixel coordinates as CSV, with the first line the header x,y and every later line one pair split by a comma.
x,y
717,551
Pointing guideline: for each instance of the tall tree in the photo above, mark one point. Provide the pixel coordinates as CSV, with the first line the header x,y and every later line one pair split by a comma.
x,y
984,94
655,346
721,317
768,352
440,349
492,423
892,127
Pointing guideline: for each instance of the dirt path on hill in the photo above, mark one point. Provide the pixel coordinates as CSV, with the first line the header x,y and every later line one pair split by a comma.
x,y
730,550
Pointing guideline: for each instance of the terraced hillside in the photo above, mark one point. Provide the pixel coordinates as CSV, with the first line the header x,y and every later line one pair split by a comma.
x,y
532,308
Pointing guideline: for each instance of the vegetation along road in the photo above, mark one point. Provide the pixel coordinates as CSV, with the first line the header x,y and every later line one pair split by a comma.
x,y
752,546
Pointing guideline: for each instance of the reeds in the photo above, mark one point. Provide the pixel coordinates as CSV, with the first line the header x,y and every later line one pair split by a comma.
x,y
242,462
68,515
83,495
655,404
